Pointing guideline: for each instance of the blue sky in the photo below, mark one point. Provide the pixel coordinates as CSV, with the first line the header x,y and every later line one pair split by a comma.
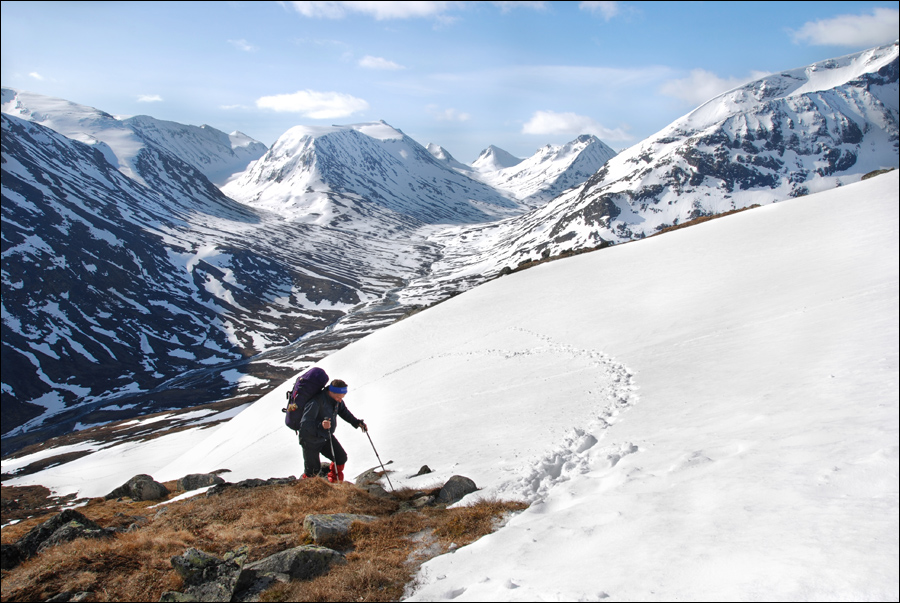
x,y
460,74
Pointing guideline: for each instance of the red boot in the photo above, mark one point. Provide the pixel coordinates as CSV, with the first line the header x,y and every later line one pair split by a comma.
x,y
335,473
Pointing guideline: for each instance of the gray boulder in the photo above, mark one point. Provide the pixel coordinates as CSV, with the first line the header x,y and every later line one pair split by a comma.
x,y
206,577
140,487
334,528
195,481
299,563
455,489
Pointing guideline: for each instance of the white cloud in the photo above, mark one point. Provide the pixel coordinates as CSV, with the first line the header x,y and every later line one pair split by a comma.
x,y
150,98
508,6
852,30
552,123
243,45
448,114
36,75
607,9
703,85
379,63
316,105
379,9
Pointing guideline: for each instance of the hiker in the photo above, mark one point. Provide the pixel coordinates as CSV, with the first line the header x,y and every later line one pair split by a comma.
x,y
317,431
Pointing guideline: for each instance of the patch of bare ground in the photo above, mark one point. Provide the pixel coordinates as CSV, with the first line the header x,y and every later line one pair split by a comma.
x,y
383,555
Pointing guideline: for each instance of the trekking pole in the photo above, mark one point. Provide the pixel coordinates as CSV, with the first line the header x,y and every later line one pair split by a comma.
x,y
331,441
379,461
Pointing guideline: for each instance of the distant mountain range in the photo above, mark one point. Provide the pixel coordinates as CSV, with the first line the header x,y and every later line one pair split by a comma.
x,y
782,136
149,265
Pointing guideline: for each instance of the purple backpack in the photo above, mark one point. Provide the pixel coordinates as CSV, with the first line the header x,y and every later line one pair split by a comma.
x,y
306,386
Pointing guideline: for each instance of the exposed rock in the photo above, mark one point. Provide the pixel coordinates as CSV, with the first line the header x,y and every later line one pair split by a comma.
x,y
423,471
377,490
60,528
299,563
72,531
206,577
250,483
195,481
140,487
369,476
333,528
455,489
10,556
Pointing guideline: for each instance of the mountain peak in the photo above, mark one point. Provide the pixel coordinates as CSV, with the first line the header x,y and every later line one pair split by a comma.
x,y
494,158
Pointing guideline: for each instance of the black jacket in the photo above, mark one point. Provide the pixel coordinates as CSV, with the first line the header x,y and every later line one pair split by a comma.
x,y
321,407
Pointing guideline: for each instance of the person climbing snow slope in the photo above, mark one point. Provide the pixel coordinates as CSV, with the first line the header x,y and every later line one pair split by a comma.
x,y
317,431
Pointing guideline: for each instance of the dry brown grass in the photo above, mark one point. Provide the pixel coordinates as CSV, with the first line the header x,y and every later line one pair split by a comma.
x,y
135,566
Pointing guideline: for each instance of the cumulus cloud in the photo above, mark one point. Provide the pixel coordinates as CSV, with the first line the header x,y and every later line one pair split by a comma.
x,y
36,75
242,45
149,98
552,123
880,27
380,10
702,85
448,114
315,105
379,63
607,9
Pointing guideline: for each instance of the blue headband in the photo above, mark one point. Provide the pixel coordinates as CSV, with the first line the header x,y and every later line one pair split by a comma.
x,y
337,390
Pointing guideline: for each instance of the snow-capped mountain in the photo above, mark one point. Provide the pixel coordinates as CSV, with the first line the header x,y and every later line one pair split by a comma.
x,y
551,170
494,158
358,175
121,298
782,136
216,154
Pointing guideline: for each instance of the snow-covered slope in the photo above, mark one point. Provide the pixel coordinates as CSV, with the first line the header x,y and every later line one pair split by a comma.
x,y
551,170
216,154
782,136
359,176
443,155
707,415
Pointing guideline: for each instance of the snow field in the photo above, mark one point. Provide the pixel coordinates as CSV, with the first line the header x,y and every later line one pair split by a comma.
x,y
707,415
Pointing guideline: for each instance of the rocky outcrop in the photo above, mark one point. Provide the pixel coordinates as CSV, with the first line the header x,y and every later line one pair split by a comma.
x,y
332,529
140,487
206,577
65,527
209,578
195,481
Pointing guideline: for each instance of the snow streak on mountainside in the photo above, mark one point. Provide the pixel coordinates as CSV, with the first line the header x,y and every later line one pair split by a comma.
x,y
216,154
365,177
119,298
551,170
782,136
